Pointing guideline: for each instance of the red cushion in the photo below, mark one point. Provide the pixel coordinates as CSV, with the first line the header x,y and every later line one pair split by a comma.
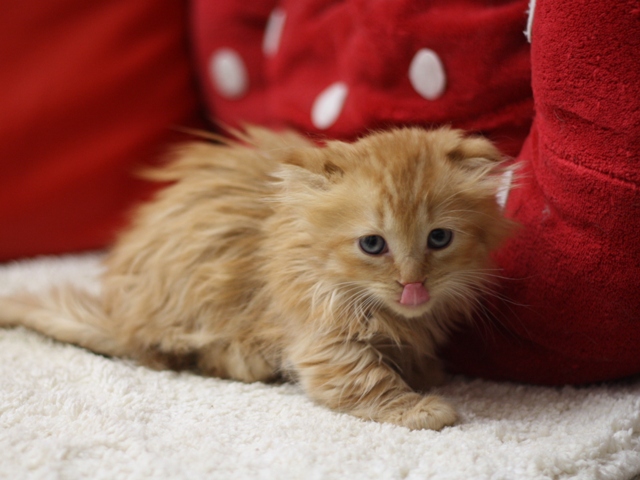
x,y
573,309
369,48
88,91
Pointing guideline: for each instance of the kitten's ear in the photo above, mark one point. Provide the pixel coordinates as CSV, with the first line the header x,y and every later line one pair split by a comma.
x,y
475,153
486,165
306,172
315,161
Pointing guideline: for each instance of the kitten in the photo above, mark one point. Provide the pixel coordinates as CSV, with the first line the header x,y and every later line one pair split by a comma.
x,y
341,267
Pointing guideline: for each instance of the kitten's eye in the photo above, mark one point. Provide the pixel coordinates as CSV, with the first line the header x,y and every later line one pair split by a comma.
x,y
373,244
439,238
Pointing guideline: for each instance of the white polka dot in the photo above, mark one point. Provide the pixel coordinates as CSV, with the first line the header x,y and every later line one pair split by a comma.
x,y
228,73
505,187
328,105
532,11
273,32
426,74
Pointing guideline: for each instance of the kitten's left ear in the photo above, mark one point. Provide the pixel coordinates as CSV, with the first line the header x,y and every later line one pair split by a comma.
x,y
486,165
475,153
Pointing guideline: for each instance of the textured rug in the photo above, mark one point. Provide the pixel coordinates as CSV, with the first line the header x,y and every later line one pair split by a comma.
x,y
66,413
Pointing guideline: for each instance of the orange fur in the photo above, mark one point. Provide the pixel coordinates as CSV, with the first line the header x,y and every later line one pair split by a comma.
x,y
248,267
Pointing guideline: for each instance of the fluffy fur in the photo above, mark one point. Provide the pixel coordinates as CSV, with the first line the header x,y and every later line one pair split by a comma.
x,y
248,266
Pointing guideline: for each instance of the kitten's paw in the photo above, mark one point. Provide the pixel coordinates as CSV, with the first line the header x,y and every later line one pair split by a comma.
x,y
422,413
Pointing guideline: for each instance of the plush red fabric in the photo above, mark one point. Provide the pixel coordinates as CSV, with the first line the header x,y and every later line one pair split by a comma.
x,y
573,314
88,91
369,47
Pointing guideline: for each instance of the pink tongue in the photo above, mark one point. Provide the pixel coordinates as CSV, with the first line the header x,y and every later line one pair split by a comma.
x,y
414,294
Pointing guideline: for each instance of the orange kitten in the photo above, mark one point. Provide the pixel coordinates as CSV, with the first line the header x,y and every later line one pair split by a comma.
x,y
341,267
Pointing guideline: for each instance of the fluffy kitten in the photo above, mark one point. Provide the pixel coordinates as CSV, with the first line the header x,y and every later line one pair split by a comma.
x,y
341,267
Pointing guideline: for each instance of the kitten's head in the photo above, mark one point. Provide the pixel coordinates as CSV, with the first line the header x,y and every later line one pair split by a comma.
x,y
402,220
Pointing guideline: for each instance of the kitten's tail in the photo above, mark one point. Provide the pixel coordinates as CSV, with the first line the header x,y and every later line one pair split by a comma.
x,y
67,315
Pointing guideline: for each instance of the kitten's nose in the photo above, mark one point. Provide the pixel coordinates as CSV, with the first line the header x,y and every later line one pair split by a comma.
x,y
414,294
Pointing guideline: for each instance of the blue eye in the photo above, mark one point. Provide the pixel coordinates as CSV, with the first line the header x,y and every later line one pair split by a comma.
x,y
373,244
439,238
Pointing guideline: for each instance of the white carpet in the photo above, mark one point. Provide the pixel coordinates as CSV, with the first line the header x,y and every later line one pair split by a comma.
x,y
66,413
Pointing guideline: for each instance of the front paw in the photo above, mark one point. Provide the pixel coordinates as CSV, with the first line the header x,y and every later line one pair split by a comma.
x,y
418,412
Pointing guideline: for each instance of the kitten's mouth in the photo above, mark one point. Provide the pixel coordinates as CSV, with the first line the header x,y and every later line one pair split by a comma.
x,y
414,294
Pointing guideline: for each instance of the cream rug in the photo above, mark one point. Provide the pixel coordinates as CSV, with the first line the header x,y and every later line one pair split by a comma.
x,y
66,413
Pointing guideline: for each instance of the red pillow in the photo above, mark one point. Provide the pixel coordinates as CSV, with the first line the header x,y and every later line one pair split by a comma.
x,y
88,91
339,67
571,309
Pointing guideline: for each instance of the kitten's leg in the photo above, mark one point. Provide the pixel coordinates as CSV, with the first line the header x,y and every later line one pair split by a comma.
x,y
352,377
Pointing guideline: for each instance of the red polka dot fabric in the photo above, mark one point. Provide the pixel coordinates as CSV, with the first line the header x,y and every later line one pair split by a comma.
x,y
336,68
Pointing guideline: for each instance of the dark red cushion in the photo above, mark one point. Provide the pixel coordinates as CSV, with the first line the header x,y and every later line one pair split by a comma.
x,y
571,312
378,64
88,92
